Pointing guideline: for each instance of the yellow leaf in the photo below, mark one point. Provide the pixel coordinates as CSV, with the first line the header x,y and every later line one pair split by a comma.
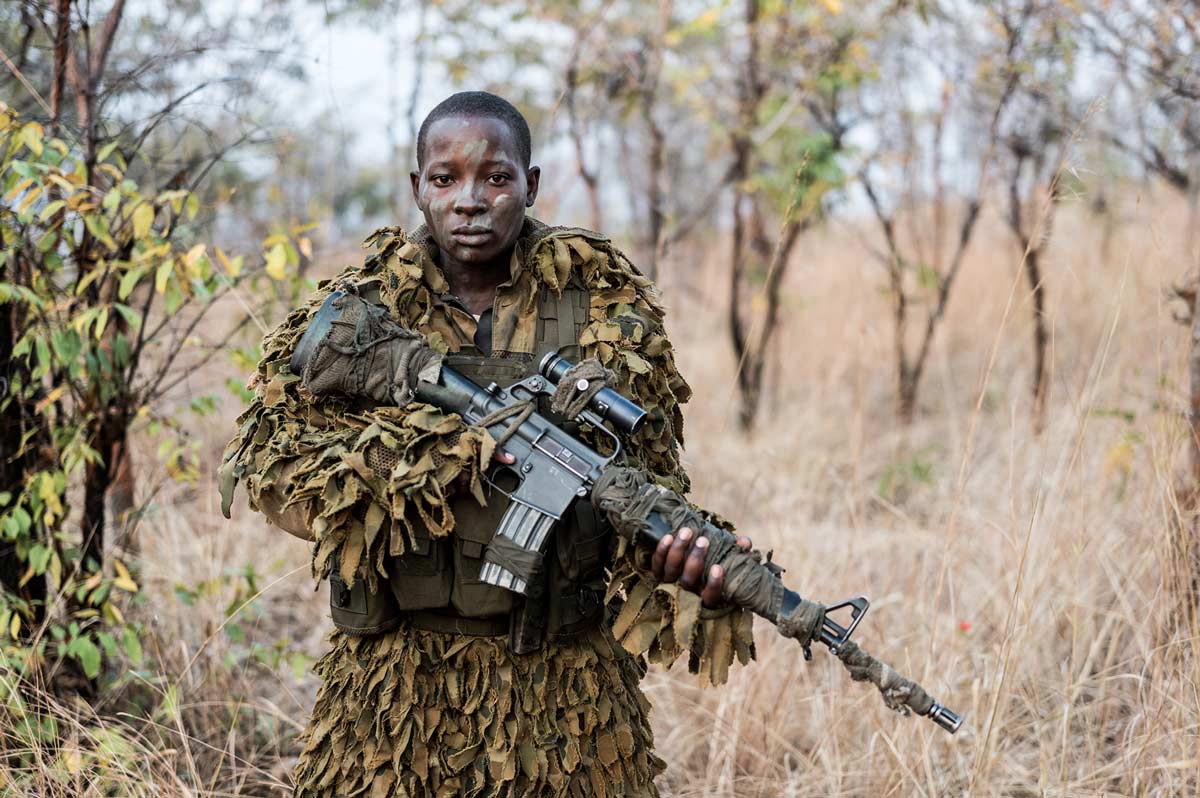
x,y
194,254
162,274
305,244
124,580
14,628
128,585
50,399
232,267
276,259
143,217
832,6
31,137
113,613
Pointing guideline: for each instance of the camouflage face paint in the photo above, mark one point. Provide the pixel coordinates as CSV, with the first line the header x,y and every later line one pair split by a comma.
x,y
467,188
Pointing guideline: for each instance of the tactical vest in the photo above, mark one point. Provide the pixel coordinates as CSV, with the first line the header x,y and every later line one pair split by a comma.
x,y
436,584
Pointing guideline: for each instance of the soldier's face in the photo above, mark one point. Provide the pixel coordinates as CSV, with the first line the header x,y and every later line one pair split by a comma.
x,y
473,189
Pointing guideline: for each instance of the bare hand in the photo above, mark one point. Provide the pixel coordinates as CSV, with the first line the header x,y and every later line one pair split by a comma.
x,y
680,558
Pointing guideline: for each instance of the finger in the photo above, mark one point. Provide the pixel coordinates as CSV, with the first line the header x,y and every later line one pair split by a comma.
x,y
744,543
502,456
673,567
711,596
693,569
659,558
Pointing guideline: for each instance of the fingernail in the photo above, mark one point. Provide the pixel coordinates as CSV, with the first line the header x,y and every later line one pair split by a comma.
x,y
685,534
714,572
702,543
667,539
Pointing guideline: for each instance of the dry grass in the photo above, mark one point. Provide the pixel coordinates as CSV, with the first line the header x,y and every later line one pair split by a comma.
x,y
1027,581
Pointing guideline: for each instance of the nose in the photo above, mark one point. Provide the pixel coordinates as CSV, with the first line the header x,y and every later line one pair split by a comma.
x,y
469,200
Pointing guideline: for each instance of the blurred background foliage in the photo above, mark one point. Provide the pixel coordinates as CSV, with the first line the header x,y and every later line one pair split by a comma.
x,y
175,175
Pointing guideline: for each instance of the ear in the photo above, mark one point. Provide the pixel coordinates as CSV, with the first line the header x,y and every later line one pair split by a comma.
x,y
533,178
415,179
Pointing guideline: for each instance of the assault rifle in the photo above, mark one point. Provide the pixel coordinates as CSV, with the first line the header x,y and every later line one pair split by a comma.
x,y
556,468
351,345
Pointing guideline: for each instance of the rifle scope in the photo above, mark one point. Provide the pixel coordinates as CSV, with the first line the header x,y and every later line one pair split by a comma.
x,y
626,416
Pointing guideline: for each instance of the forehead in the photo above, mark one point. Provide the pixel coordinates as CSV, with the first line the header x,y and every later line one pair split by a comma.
x,y
458,137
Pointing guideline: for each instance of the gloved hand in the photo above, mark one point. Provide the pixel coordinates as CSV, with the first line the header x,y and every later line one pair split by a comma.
x,y
353,347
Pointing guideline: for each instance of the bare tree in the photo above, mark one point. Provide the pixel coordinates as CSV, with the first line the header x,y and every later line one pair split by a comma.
x,y
786,140
1038,137
904,179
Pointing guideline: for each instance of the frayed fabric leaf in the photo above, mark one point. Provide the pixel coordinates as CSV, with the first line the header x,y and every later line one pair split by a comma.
x,y
415,713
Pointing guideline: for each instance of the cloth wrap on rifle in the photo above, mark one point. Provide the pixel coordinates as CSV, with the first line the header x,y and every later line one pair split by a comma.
x,y
901,694
627,497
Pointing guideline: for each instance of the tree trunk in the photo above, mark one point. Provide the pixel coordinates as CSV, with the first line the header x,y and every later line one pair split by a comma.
x,y
1041,341
108,436
18,457
906,396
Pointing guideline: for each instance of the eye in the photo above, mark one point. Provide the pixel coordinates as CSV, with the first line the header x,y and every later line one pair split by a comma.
x,y
441,181
498,179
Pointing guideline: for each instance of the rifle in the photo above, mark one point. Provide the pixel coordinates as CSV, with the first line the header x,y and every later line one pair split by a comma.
x,y
555,468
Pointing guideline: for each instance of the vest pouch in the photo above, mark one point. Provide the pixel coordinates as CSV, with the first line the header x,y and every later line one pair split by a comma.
x,y
582,541
581,546
474,529
421,577
357,611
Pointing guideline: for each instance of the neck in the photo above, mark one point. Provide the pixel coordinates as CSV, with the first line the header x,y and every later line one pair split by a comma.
x,y
475,283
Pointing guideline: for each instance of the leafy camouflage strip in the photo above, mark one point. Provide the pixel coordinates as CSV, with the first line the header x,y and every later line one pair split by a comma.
x,y
412,713
291,455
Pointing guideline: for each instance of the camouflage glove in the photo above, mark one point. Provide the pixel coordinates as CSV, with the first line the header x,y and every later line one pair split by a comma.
x,y
354,348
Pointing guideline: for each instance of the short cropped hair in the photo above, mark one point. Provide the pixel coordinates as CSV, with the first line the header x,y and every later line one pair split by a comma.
x,y
479,104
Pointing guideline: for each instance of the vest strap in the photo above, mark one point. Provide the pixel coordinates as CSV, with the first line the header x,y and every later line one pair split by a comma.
x,y
447,623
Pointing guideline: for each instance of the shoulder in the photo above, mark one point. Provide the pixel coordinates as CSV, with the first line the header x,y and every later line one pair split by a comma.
x,y
279,343
625,326
615,284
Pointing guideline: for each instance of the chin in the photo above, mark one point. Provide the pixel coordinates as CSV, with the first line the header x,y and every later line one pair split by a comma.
x,y
475,254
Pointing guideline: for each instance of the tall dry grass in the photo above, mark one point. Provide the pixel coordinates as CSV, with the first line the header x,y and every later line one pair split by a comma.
x,y
1029,582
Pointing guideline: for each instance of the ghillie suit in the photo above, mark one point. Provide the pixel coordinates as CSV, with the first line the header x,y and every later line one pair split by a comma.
x,y
416,709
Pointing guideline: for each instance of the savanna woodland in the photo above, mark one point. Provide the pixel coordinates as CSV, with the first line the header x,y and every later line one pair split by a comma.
x,y
931,270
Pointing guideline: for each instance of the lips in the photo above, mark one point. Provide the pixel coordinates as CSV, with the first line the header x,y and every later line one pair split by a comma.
x,y
471,235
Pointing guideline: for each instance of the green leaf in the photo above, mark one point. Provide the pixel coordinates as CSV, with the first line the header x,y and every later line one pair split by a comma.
x,y
84,650
106,151
129,281
39,557
130,315
299,664
101,322
98,226
51,209
108,643
133,646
